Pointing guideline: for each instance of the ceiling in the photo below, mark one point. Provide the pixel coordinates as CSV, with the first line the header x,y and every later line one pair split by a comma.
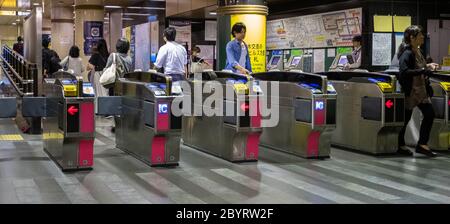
x,y
133,15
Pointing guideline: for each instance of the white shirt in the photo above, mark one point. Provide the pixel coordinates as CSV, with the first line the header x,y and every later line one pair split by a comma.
x,y
75,64
243,57
173,57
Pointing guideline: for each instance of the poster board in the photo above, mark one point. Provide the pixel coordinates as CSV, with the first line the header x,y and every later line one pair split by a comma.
x,y
93,32
322,30
382,23
381,49
210,30
142,47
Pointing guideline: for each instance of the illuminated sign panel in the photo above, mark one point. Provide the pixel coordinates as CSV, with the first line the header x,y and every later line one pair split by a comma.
x,y
73,118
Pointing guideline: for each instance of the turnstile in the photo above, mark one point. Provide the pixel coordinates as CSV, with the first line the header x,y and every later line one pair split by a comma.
x,y
69,122
440,132
232,137
145,126
67,109
307,113
370,113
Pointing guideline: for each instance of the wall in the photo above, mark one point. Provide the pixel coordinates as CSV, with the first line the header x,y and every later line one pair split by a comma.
x,y
174,7
420,12
8,34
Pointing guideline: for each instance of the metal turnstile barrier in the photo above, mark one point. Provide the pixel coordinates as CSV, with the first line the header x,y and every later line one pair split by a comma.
x,y
440,131
370,113
145,127
232,137
67,108
69,121
307,112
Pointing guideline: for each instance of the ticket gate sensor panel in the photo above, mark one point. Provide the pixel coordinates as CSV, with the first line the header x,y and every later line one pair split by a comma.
x,y
276,63
307,114
145,125
69,122
232,137
370,113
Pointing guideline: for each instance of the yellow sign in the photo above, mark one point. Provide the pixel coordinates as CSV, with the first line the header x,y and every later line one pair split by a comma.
x,y
382,23
255,38
446,61
70,90
385,87
401,23
240,88
445,86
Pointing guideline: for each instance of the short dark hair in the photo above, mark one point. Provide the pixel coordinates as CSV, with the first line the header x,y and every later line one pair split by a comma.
x,y
74,52
19,38
45,42
123,46
357,38
237,28
170,33
196,49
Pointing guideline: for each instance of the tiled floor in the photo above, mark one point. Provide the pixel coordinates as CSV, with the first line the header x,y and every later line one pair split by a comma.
x,y
28,176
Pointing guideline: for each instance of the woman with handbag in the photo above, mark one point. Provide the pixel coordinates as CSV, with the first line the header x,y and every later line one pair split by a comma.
x,y
118,64
414,75
96,64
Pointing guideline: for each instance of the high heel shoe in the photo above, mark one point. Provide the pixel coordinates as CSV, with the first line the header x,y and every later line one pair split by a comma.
x,y
402,150
421,150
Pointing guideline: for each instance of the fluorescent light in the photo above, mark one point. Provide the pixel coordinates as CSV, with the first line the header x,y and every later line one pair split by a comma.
x,y
23,13
113,6
17,20
7,13
136,14
129,19
213,13
35,4
14,24
148,8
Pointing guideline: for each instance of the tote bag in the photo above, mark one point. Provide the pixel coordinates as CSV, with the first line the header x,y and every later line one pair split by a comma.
x,y
109,75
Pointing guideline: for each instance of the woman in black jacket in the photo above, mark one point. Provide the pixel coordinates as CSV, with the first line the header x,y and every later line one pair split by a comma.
x,y
414,80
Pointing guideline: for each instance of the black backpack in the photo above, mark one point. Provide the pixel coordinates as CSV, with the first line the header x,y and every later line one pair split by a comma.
x,y
54,62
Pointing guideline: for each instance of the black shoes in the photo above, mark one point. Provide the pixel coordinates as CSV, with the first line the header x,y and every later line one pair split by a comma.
x,y
402,150
421,150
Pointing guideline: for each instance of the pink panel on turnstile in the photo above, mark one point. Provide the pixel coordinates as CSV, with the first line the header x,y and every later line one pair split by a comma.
x,y
87,118
255,120
162,117
313,144
158,150
86,153
319,112
252,146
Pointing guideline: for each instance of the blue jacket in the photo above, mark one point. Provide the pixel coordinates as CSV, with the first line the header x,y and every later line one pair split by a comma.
x,y
233,55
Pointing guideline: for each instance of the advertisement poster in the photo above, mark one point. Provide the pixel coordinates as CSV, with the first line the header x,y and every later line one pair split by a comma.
x,y
382,47
332,29
93,31
255,38
142,48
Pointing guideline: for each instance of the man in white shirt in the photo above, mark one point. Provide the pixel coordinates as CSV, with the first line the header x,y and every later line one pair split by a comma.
x,y
172,56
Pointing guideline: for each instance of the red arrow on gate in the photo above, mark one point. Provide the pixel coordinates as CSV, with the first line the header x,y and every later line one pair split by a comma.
x,y
389,104
72,110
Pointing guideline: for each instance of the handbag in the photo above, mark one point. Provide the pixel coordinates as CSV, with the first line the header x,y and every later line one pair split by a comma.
x,y
109,75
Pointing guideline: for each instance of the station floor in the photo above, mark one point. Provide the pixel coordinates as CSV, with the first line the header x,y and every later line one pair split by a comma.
x,y
27,175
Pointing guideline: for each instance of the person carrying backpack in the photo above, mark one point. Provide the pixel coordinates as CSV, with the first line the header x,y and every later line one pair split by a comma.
x,y
50,59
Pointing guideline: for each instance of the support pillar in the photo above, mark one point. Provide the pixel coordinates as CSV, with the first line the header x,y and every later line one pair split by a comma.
x,y
62,29
253,14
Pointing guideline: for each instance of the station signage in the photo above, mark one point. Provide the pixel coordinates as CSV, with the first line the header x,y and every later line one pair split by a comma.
x,y
73,118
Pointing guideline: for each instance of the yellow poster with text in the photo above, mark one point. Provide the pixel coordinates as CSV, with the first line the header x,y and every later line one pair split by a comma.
x,y
255,38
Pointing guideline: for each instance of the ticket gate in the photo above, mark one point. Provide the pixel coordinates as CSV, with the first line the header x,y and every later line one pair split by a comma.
x,y
440,132
67,108
307,112
145,126
69,124
370,113
232,137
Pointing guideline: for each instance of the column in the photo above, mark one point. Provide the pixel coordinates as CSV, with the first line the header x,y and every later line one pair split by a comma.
x,y
253,14
89,16
115,29
62,29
